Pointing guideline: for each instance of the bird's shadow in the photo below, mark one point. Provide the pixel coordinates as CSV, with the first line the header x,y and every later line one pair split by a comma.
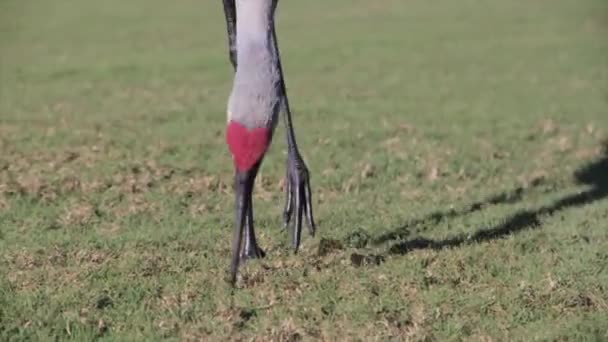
x,y
593,175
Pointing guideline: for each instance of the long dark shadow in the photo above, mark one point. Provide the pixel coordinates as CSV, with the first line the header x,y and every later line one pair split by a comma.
x,y
436,217
594,175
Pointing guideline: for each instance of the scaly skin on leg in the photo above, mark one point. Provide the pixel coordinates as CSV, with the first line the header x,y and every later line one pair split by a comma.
x,y
247,248
243,186
250,249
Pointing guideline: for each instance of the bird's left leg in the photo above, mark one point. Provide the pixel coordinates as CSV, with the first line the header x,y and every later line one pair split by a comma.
x,y
299,197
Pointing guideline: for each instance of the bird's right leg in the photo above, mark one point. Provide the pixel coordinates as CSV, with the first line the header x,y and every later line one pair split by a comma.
x,y
247,148
230,13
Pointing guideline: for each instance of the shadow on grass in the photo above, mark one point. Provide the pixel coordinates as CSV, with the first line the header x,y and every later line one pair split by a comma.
x,y
594,175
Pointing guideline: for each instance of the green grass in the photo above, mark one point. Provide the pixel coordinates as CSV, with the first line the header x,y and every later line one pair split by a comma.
x,y
457,151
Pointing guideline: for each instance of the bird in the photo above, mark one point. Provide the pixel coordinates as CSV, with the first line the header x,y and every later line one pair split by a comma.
x,y
257,98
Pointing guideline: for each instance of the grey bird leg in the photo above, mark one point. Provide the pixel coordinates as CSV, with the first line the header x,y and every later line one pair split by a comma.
x,y
299,197
243,185
242,250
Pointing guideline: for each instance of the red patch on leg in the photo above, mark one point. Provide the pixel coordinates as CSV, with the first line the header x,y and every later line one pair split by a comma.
x,y
246,145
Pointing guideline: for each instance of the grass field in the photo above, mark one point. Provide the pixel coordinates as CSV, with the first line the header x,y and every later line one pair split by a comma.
x,y
458,152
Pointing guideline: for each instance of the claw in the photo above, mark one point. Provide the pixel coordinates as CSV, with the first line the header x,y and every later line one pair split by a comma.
x,y
312,228
297,226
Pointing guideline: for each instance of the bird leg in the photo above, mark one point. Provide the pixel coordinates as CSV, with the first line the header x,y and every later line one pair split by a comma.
x,y
250,250
242,187
244,181
298,201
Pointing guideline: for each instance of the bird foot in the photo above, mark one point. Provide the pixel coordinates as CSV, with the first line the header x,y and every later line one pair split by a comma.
x,y
298,204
